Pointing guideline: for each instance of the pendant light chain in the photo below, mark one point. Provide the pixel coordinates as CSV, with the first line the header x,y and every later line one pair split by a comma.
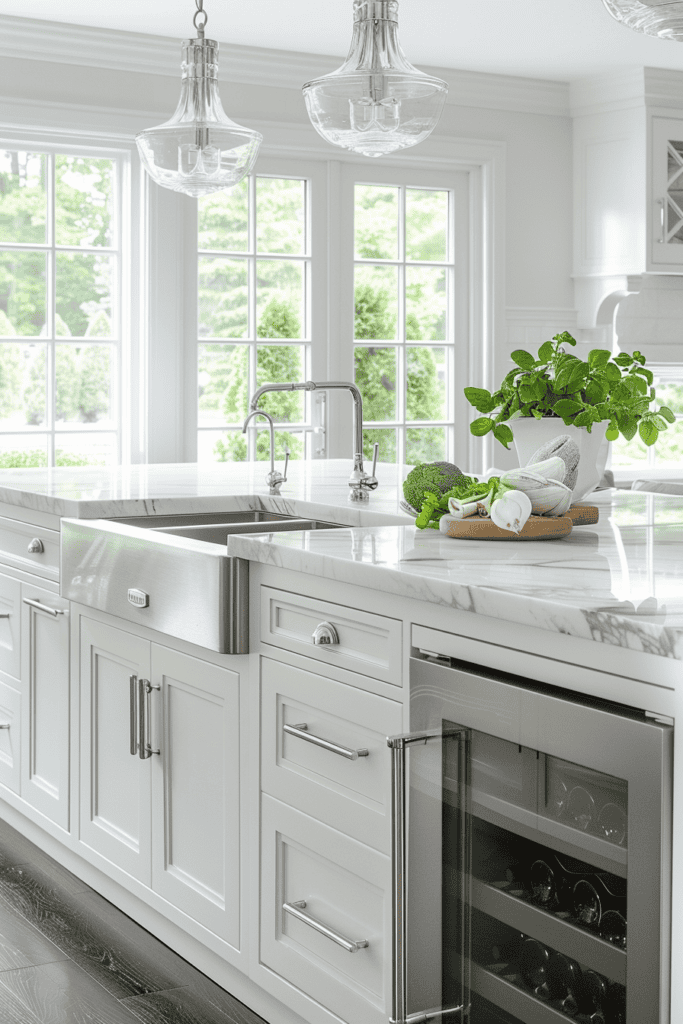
x,y
202,25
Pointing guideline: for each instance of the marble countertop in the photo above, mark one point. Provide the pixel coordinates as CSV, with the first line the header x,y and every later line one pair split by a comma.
x,y
92,492
619,582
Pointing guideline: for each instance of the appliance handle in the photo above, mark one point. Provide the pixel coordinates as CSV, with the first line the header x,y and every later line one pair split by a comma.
x,y
399,873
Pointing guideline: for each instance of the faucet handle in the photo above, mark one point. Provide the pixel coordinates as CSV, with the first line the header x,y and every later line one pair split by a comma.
x,y
284,474
375,453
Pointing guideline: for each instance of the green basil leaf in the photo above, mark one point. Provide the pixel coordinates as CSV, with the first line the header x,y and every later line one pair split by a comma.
x,y
612,372
584,419
595,392
644,372
536,413
566,407
540,388
527,392
623,359
523,359
481,399
666,412
612,431
598,357
648,432
564,338
629,428
660,422
502,433
481,426
638,384
545,352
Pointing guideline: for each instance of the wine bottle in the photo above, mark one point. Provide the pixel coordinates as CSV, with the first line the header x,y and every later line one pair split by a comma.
x,y
564,982
533,962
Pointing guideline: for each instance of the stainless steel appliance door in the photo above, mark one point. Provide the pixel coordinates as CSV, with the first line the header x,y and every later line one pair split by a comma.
x,y
568,838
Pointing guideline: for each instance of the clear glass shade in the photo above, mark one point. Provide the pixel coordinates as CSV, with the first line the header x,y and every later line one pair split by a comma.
x,y
662,18
376,102
200,149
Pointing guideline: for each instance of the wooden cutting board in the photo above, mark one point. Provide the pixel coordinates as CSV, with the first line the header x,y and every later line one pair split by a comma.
x,y
535,528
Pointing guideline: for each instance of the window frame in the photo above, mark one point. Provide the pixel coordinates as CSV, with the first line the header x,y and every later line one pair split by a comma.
x,y
72,144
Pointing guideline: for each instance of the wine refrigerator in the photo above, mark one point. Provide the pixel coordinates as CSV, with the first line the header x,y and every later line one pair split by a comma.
x,y
531,854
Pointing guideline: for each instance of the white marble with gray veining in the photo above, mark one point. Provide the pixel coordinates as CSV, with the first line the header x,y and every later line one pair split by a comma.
x,y
98,492
619,582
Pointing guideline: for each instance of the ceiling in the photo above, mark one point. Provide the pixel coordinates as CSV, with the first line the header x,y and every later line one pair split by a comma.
x,y
552,39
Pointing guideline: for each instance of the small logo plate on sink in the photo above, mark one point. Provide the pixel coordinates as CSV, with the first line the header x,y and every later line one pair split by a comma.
x,y
138,597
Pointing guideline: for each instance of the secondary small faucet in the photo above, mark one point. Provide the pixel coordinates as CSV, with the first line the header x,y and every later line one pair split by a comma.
x,y
274,479
360,482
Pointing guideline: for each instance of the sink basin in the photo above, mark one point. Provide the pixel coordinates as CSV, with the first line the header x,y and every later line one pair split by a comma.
x,y
218,533
170,573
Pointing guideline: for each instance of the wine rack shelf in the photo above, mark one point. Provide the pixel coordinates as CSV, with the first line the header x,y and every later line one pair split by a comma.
x,y
550,929
500,989
602,855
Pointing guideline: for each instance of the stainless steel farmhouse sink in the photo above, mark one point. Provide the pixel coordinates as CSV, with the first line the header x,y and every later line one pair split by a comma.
x,y
171,573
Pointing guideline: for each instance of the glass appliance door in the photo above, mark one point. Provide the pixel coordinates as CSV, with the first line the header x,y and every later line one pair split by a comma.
x,y
550,899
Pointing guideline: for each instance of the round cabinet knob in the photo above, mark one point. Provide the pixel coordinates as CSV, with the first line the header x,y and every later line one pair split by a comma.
x,y
325,633
36,547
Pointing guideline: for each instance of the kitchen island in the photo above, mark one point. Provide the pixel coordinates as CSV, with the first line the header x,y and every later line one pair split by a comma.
x,y
599,613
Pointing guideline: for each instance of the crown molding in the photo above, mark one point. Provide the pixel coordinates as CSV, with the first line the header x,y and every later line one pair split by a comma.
x,y
116,50
633,87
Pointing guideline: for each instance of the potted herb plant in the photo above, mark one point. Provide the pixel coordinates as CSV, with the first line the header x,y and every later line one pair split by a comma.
x,y
557,386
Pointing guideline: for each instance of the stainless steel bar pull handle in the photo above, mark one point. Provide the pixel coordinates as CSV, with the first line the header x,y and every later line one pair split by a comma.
x,y
301,730
297,908
133,714
5,725
399,873
40,607
144,715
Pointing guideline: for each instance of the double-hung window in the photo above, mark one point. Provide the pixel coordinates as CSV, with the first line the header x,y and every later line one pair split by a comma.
x,y
61,313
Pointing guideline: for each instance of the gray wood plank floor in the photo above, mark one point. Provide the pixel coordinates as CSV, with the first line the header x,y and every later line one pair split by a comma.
x,y
67,956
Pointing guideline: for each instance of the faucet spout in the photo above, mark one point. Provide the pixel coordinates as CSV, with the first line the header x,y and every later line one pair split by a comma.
x,y
275,479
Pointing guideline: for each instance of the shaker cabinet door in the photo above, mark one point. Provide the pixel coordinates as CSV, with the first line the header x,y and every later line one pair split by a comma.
x,y
195,789
45,719
115,785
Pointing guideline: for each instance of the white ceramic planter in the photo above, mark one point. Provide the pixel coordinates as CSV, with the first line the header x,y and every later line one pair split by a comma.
x,y
530,433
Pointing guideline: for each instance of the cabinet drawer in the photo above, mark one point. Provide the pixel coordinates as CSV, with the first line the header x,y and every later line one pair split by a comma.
x,y
368,643
10,626
352,794
15,540
10,703
346,888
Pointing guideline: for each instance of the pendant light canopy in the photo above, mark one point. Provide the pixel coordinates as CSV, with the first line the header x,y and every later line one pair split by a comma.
x,y
200,150
376,102
662,18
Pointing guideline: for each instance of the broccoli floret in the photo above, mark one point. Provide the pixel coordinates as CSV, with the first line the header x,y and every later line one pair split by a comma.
x,y
436,477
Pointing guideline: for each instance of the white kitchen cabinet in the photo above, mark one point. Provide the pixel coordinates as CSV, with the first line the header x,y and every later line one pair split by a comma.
x,y
628,193
666,148
341,885
115,785
170,819
10,626
45,726
195,790
10,743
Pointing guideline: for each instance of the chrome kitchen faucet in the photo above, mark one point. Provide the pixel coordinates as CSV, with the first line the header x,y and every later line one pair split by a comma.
x,y
275,479
360,482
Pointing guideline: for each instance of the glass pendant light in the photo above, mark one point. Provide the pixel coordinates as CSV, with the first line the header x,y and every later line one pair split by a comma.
x,y
200,150
376,102
662,18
